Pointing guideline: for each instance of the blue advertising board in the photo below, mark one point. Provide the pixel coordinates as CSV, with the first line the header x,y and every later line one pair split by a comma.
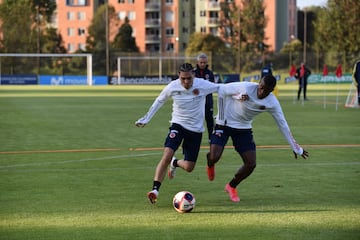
x,y
71,80
18,79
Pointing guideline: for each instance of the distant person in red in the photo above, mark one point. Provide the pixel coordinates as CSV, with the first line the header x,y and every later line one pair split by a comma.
x,y
338,71
302,74
325,70
292,71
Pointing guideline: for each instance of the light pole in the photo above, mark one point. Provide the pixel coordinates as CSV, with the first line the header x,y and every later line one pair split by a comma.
x,y
107,37
292,37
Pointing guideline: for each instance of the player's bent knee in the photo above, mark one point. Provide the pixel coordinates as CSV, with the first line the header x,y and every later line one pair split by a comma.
x,y
189,167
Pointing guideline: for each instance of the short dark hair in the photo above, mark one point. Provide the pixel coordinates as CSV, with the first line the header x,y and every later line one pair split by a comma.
x,y
269,80
186,67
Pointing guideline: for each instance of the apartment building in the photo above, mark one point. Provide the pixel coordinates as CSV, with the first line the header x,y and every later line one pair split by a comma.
x,y
166,25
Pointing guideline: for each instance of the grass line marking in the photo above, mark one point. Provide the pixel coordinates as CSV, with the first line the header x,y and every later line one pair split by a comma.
x,y
161,148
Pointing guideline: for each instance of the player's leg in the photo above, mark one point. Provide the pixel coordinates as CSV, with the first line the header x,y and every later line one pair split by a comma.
x,y
218,141
209,114
171,144
244,144
191,147
160,172
249,159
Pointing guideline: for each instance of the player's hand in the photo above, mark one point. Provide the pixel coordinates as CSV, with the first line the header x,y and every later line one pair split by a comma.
x,y
140,124
305,154
244,97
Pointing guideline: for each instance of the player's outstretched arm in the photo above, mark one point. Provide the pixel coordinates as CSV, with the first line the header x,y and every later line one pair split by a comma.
x,y
305,154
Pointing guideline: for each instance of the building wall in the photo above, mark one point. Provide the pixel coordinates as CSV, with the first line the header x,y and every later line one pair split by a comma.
x,y
72,22
169,24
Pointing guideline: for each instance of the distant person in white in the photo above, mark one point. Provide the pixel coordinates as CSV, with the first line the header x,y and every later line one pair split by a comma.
x,y
187,123
238,104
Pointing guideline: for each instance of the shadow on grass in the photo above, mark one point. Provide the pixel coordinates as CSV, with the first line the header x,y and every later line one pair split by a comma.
x,y
260,211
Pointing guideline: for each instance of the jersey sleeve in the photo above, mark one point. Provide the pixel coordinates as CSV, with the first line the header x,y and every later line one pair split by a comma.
x,y
157,104
283,126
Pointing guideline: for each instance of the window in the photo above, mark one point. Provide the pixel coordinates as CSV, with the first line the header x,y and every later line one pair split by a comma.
x,y
202,13
81,31
70,47
203,29
81,46
70,32
132,15
122,15
214,31
81,16
169,31
70,15
169,47
76,2
169,16
121,1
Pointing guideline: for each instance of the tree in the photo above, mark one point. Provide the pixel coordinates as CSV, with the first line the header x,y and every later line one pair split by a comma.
x,y
24,28
124,41
253,23
212,45
243,30
97,41
337,30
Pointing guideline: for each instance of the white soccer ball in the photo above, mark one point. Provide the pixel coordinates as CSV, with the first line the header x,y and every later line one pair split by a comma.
x,y
184,202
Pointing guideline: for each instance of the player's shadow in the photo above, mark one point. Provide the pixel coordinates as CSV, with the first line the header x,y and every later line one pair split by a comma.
x,y
232,210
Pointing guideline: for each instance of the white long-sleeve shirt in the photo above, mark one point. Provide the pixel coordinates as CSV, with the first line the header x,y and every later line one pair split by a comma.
x,y
188,107
240,114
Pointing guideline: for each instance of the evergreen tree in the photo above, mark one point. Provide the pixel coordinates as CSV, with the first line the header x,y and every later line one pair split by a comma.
x,y
124,41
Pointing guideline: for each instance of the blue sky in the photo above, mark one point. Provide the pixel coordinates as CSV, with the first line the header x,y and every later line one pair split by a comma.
x,y
306,3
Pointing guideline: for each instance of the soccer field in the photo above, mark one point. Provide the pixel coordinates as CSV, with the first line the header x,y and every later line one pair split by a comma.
x,y
74,166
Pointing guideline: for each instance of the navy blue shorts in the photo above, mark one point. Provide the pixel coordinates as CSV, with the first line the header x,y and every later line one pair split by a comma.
x,y
191,141
243,140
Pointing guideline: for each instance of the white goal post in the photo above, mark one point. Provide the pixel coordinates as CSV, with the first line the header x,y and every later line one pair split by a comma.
x,y
89,72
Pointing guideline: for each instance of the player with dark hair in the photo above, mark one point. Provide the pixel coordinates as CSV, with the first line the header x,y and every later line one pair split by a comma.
x,y
238,105
187,123
202,71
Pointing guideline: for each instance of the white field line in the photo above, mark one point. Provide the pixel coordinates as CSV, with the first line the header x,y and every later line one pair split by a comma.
x,y
302,163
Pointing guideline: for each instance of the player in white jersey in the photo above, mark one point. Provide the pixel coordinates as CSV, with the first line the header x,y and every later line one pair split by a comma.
x,y
187,123
238,104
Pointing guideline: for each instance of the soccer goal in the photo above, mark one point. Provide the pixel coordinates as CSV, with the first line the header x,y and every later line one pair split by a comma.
x,y
14,67
149,69
352,98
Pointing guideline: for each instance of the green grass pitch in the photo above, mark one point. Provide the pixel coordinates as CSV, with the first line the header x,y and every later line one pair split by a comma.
x,y
74,166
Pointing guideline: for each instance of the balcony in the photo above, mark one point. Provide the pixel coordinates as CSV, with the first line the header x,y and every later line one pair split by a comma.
x,y
155,22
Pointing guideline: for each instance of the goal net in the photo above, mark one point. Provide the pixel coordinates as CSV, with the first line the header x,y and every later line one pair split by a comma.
x,y
149,69
352,98
47,69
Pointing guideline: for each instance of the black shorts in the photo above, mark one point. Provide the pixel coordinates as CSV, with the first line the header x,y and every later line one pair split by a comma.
x,y
243,140
190,140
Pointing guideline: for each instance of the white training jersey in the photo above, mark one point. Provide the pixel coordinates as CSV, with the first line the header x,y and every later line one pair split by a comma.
x,y
240,114
188,108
